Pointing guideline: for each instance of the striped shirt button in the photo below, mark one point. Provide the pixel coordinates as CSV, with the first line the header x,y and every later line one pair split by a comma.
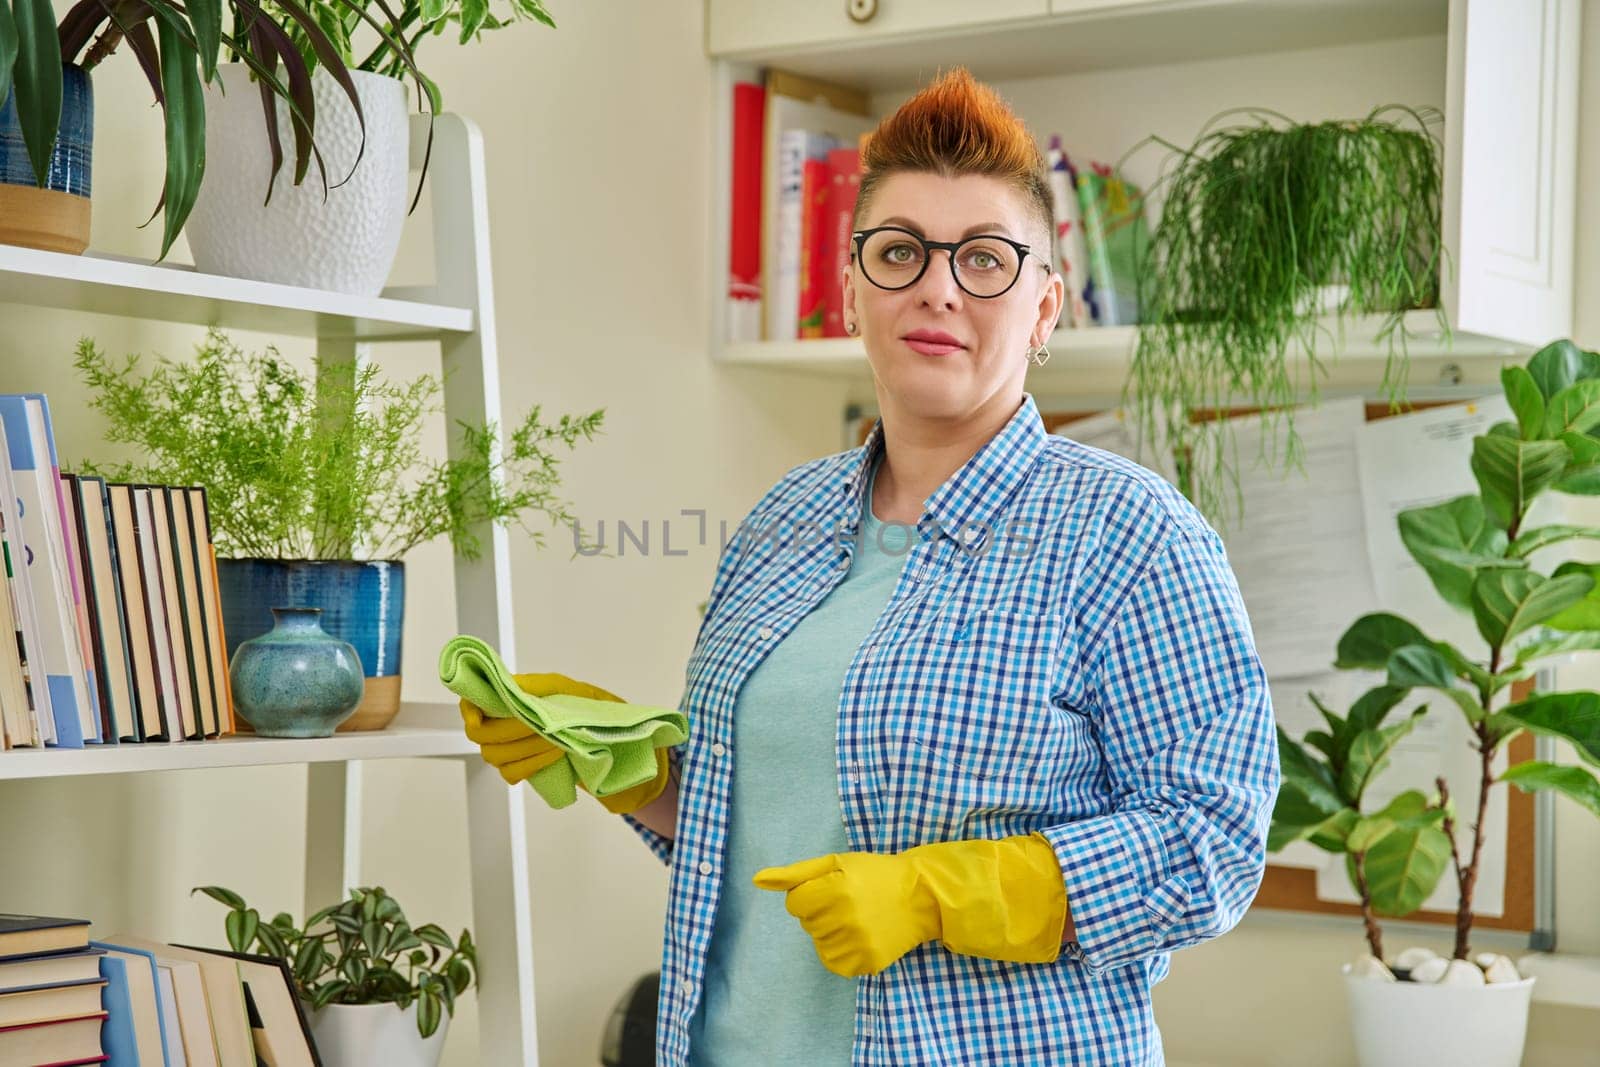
x,y
765,633
719,749
705,867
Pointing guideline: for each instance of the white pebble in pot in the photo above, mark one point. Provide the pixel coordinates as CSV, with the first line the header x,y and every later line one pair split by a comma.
x,y
1412,958
1462,972
1430,971
1498,969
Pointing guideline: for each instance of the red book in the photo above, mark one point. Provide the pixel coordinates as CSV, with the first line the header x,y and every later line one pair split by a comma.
x,y
814,254
744,216
844,182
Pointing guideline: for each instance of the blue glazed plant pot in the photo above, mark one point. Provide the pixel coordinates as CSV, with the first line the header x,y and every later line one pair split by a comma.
x,y
296,680
56,216
362,603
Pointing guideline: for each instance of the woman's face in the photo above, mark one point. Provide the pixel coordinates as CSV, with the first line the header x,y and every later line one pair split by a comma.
x,y
992,335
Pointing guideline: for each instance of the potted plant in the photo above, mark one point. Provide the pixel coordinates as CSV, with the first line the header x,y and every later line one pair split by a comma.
x,y
318,486
47,102
1267,227
342,231
1477,550
379,989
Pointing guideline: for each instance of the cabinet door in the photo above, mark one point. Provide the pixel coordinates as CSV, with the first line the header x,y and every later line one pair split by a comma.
x,y
1510,176
747,26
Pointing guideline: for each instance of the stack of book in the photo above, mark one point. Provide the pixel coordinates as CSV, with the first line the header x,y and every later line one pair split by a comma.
x,y
132,1002
111,592
796,170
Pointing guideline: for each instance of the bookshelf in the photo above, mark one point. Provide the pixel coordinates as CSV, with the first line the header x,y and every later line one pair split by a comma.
x,y
457,312
1106,74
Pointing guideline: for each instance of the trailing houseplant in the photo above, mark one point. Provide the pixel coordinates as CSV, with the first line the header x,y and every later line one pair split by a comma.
x,y
1478,550
43,62
317,483
360,951
341,237
1268,226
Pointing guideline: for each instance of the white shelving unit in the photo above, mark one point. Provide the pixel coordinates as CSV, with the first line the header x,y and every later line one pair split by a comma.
x,y
1509,286
457,312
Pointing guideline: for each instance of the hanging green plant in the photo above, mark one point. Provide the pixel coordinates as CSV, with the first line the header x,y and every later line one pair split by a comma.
x,y
1271,236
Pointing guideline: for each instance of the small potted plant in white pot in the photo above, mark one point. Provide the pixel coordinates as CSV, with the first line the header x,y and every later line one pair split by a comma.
x,y
318,485
379,989
1418,1007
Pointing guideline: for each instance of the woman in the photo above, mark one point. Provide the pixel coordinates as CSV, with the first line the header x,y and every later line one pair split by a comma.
x,y
979,734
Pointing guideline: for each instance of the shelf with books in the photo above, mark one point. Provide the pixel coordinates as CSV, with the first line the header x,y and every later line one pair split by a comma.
x,y
421,730
115,286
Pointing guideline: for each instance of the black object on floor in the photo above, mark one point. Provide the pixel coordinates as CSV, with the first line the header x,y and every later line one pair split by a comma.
x,y
630,1037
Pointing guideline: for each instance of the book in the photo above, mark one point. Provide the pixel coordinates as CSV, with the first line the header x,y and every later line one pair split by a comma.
x,y
789,286
142,662
52,1002
44,557
107,621
197,1042
148,1029
60,968
118,1036
176,628
144,529
192,614
29,640
744,216
33,935
67,501
171,1027
269,985
216,636
844,186
815,256
18,721
54,1042
1117,240
224,997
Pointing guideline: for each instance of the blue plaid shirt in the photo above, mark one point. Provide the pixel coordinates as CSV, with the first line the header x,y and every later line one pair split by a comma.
x,y
1066,652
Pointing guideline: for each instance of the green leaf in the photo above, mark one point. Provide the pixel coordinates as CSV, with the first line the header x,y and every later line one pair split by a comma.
x,y
1295,816
1369,755
1451,541
1299,769
427,1014
1511,473
185,121
1559,364
345,924
242,926
1573,782
1404,867
1411,809
473,14
1585,614
308,961
1368,832
272,940
1420,666
326,994
37,81
1530,541
433,10
1505,603
1522,392
1582,641
205,16
1331,835
1582,476
1372,639
1369,711
1573,717
460,975
433,935
224,896
1576,409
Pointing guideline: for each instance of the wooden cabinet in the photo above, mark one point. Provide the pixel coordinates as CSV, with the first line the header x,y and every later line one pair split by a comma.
x,y
749,26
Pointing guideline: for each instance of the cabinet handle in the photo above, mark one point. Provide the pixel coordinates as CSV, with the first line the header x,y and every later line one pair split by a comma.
x,y
861,10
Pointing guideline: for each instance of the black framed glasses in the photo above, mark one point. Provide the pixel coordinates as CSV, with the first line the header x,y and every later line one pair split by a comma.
x,y
985,265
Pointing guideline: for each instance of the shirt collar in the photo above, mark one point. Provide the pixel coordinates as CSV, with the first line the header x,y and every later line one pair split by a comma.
x,y
973,495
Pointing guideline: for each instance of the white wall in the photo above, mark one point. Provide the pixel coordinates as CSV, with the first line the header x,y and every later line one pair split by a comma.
x,y
598,145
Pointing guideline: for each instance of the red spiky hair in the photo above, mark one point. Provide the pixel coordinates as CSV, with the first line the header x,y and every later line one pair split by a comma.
x,y
956,126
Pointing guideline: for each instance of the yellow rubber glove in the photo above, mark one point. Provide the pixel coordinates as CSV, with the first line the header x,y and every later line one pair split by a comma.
x,y
1004,900
518,753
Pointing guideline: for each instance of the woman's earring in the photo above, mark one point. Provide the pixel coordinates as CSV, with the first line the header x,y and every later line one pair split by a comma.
x,y
1039,356
850,328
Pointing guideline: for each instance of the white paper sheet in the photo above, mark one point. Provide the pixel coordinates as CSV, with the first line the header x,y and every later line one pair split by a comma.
x,y
1299,552
1117,432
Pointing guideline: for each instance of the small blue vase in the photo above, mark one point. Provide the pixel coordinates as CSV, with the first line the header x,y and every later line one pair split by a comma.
x,y
54,216
296,680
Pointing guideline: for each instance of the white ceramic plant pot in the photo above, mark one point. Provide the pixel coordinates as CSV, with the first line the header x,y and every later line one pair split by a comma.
x,y
364,1035
1403,1024
346,243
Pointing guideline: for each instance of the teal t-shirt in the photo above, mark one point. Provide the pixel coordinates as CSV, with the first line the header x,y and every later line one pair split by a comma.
x,y
767,998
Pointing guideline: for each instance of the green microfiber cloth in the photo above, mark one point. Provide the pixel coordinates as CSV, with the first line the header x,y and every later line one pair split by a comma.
x,y
610,745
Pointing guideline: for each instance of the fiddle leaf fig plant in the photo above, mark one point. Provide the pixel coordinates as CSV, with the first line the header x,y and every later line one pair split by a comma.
x,y
359,951
1478,551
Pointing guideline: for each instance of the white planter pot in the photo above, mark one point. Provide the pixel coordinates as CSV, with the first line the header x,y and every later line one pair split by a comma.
x,y
363,1035
1403,1024
346,243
